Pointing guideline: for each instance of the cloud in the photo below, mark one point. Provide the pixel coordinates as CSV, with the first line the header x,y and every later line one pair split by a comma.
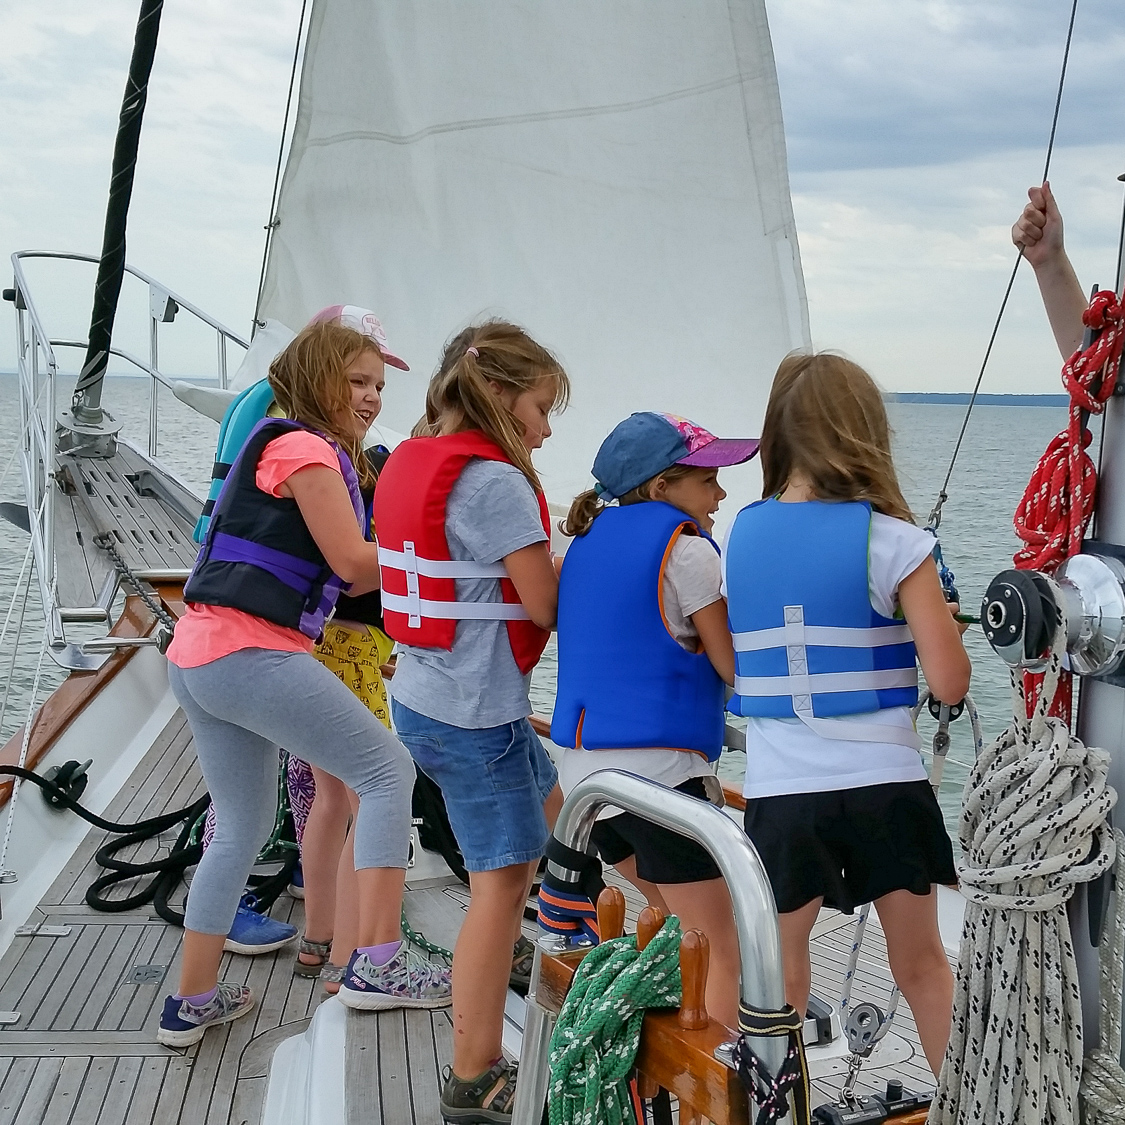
x,y
888,83
913,129
905,268
208,148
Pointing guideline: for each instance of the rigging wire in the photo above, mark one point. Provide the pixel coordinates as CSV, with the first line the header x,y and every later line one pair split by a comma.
x,y
271,226
19,633
935,515
23,758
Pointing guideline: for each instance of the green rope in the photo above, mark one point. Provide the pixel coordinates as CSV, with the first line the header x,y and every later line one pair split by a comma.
x,y
595,1041
413,937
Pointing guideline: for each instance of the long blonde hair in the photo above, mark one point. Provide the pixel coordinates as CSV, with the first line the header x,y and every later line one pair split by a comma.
x,y
826,421
310,383
459,397
588,505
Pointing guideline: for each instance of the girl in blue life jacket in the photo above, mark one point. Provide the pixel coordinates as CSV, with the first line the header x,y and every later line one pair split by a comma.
x,y
643,651
283,542
833,594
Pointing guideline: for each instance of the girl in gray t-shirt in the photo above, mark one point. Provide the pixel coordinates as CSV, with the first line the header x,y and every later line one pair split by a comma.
x,y
462,708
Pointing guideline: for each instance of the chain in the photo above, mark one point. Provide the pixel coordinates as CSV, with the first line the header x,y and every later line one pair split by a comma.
x,y
105,542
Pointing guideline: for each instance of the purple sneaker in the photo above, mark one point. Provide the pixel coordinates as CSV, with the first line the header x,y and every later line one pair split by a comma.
x,y
407,980
182,1024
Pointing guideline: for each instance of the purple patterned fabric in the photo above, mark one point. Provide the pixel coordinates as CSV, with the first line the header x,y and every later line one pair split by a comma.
x,y
302,789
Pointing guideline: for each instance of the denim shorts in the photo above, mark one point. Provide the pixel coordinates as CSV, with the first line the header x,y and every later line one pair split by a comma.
x,y
494,782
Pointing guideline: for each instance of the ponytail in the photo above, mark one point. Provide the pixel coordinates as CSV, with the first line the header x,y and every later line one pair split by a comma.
x,y
586,508
460,397
589,505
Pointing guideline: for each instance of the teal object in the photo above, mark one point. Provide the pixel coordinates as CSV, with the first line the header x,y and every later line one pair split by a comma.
x,y
243,414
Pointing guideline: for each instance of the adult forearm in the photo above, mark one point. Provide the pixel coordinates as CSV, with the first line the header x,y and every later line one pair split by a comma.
x,y
1064,301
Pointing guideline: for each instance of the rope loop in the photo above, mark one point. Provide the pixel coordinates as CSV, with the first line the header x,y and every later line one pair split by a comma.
x,y
770,1092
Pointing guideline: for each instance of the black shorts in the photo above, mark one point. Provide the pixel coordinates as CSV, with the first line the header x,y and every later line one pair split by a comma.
x,y
662,856
851,846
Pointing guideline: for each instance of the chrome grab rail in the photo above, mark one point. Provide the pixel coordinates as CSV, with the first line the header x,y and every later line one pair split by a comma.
x,y
38,370
755,913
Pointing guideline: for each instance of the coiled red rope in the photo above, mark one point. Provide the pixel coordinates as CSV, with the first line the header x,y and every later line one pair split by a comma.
x,y
1058,502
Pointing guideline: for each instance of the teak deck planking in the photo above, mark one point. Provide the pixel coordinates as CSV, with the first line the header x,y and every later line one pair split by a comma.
x,y
84,1050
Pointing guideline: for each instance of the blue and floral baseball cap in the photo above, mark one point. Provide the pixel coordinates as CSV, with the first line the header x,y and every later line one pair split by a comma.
x,y
647,443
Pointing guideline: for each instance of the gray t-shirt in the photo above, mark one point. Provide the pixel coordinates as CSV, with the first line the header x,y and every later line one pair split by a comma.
x,y
492,511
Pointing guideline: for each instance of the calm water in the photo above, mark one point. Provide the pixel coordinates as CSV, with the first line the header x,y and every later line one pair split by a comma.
x,y
1001,447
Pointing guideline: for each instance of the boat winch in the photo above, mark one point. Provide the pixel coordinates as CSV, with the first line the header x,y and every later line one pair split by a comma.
x,y
1021,611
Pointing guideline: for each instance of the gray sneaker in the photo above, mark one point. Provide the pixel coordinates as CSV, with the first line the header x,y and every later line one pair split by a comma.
x,y
407,980
182,1024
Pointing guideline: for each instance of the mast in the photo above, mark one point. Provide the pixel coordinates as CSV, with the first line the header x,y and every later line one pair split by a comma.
x,y
86,416
1101,706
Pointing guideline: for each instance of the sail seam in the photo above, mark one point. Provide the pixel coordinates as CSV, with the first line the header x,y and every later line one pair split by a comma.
x,y
527,118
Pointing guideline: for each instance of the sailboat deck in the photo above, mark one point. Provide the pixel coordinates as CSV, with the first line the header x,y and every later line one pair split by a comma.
x,y
83,1049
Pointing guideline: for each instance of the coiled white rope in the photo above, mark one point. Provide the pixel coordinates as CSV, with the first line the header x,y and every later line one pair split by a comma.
x,y
1103,1080
1033,825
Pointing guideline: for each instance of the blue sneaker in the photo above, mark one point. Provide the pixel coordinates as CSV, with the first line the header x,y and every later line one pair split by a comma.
x,y
407,980
182,1024
296,886
257,933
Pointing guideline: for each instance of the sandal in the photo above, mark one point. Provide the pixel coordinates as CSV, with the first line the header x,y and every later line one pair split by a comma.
x,y
523,957
318,949
332,976
484,1100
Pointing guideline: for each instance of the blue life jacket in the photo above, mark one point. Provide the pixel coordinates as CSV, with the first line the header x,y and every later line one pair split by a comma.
x,y
242,415
808,643
624,680
259,555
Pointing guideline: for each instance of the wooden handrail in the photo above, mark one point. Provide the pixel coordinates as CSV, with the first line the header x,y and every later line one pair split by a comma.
x,y
77,691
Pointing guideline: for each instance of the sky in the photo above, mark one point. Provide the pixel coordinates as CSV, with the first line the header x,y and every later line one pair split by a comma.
x,y
913,130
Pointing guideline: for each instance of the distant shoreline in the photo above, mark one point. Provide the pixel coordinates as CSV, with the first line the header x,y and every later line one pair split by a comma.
x,y
923,398
961,398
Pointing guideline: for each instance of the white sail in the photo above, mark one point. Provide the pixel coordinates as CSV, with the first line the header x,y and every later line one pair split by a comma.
x,y
610,174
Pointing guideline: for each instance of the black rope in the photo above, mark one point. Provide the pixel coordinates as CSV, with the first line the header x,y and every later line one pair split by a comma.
x,y
935,514
272,224
111,266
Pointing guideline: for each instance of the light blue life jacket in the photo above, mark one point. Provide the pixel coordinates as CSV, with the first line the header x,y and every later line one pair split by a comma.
x,y
624,680
242,415
808,643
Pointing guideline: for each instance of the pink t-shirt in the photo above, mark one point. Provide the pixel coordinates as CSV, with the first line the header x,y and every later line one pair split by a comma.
x,y
209,632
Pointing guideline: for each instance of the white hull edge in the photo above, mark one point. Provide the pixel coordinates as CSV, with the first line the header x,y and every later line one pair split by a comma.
x,y
116,730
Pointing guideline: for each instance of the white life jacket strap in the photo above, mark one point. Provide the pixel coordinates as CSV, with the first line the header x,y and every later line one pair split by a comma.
x,y
416,608
411,563
822,635
801,684
408,562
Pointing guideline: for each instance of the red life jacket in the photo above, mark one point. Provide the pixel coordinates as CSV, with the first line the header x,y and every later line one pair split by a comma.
x,y
420,604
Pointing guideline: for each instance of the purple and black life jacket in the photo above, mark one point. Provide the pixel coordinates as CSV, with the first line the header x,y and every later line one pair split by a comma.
x,y
259,556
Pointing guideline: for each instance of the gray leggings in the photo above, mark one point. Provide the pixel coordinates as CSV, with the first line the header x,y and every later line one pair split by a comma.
x,y
241,708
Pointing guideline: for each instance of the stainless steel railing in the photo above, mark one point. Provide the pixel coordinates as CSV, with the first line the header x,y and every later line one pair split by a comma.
x,y
755,913
38,374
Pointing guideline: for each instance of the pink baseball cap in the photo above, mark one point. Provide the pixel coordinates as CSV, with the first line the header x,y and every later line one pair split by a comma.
x,y
366,323
647,443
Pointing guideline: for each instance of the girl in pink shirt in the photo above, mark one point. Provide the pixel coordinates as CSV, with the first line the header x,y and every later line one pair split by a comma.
x,y
285,538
